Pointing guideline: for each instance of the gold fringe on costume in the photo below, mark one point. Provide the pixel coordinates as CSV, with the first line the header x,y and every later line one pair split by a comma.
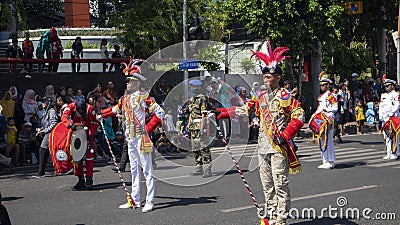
x,y
146,145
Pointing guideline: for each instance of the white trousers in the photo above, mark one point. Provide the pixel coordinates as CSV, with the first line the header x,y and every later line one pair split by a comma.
x,y
329,154
388,142
137,161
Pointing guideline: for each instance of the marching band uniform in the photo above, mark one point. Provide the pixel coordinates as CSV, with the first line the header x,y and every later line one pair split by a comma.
x,y
388,107
328,105
82,113
135,106
281,117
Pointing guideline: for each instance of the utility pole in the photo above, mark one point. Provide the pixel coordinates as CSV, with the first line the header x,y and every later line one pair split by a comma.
x,y
185,72
398,47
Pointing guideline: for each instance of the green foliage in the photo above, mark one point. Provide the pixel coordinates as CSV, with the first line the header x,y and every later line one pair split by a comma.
x,y
86,45
216,20
348,59
247,65
210,57
152,24
5,17
31,11
65,31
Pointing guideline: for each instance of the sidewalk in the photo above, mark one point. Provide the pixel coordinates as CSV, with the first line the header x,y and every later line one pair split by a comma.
x,y
348,128
49,168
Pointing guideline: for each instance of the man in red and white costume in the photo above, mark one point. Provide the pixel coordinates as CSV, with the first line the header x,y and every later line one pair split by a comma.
x,y
328,105
135,105
83,114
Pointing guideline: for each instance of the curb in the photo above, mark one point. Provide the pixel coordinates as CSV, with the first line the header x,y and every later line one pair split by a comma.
x,y
35,168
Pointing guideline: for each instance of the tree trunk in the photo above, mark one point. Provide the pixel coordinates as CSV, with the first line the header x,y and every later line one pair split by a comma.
x,y
316,61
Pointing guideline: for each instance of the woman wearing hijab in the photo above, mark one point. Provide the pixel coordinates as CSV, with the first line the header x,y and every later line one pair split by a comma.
x,y
14,93
255,90
49,93
29,105
8,105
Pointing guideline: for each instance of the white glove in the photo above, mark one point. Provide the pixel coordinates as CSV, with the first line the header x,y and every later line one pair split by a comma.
x,y
99,118
241,111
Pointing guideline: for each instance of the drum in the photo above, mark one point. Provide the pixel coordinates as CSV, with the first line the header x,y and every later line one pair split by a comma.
x,y
319,122
79,144
59,142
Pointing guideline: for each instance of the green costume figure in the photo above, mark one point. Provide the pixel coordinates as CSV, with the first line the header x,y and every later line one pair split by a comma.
x,y
198,105
43,48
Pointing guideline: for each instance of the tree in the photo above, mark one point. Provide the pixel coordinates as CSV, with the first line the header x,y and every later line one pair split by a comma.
x,y
247,65
33,14
210,57
152,24
5,16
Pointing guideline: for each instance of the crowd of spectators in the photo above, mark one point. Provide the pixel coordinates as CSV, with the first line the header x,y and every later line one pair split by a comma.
x,y
22,115
50,47
358,102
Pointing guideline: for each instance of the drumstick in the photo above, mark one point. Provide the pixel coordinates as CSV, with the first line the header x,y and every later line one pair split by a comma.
x,y
115,164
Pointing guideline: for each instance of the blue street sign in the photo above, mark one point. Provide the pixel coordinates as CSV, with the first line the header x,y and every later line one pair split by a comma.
x,y
188,64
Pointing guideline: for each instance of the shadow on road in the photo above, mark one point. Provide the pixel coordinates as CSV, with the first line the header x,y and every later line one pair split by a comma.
x,y
112,185
349,165
326,221
350,141
183,201
8,199
372,142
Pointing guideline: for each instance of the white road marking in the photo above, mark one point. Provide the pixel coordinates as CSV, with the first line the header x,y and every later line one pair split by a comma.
x,y
308,197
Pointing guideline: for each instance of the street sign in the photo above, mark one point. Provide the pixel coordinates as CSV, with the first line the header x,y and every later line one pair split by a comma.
x,y
353,7
395,35
188,64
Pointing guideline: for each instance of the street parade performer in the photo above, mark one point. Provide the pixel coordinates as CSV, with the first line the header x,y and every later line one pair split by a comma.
x,y
135,105
281,118
321,123
388,114
75,116
199,105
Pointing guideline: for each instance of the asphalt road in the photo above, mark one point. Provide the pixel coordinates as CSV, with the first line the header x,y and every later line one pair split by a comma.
x,y
361,183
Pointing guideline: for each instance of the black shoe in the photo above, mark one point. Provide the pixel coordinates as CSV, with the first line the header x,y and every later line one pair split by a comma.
x,y
198,171
80,186
89,183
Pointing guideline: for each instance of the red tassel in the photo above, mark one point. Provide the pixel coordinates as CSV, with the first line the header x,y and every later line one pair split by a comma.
x,y
264,222
291,130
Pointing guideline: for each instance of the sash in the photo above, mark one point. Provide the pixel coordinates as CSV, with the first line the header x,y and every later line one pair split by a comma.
x,y
273,131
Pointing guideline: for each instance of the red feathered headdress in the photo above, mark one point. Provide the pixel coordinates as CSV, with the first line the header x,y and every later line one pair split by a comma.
x,y
272,60
132,70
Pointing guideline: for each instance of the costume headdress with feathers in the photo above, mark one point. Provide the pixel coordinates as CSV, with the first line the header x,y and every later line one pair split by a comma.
x,y
324,78
272,60
133,70
387,81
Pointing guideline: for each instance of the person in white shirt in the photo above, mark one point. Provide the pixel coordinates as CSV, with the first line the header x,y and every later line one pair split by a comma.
x,y
388,107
